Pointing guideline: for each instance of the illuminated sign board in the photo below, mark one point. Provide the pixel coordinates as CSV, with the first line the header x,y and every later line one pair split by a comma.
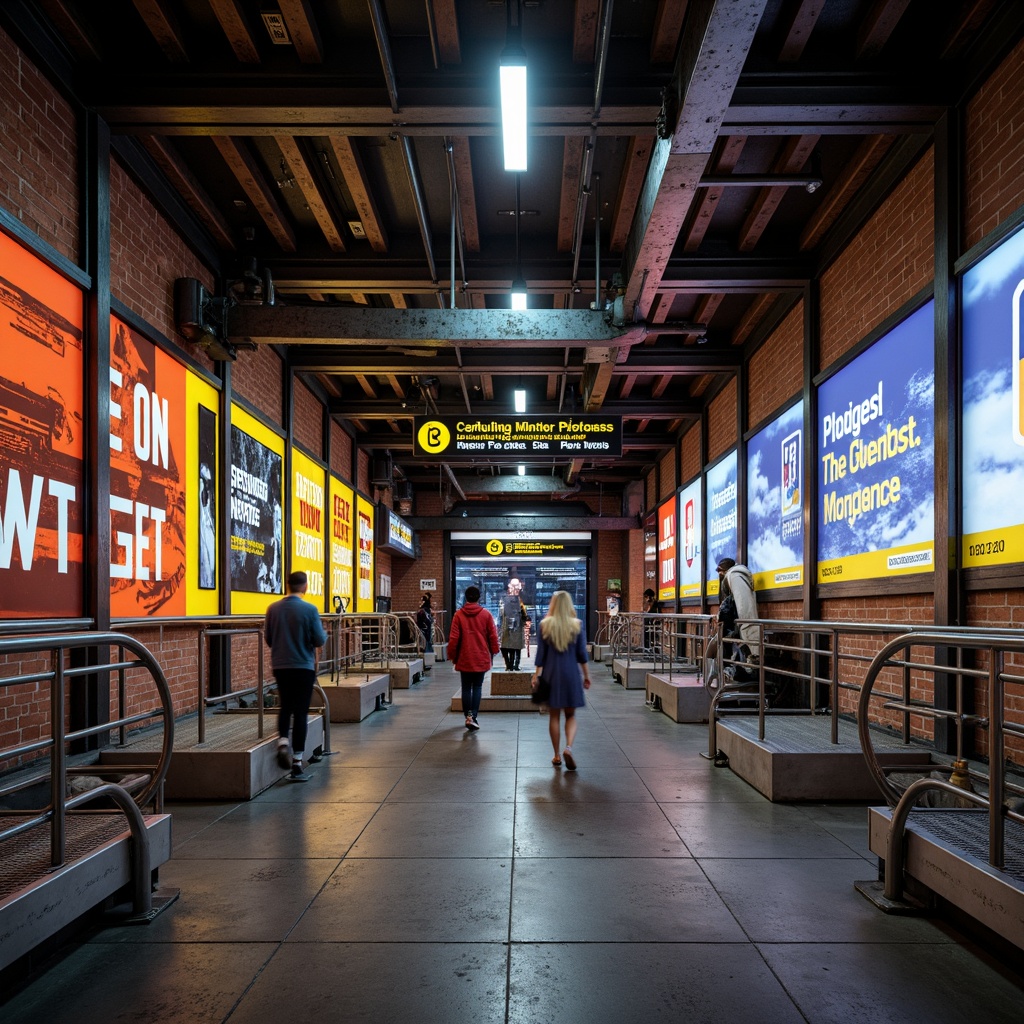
x,y
875,456
499,438
993,441
394,533
775,495
667,550
690,547
309,507
722,516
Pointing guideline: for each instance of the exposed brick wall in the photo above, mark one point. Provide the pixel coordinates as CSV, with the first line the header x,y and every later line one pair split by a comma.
x,y
994,150
633,578
146,256
363,473
775,372
308,419
38,153
667,476
257,377
690,452
890,261
722,421
341,452
651,490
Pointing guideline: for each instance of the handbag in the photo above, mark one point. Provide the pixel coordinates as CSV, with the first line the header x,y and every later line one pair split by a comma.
x,y
542,692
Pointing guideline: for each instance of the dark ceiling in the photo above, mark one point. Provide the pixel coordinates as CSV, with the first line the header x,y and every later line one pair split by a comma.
x,y
359,163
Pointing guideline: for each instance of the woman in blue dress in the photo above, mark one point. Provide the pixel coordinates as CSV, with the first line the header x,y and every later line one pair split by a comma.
x,y
562,662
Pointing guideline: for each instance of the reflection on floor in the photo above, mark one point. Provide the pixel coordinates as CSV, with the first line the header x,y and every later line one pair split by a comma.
x,y
428,873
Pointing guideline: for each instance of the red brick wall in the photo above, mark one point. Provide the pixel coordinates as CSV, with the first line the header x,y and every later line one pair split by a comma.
x,y
775,372
722,421
146,256
667,476
257,377
890,261
689,451
994,150
38,153
308,419
363,473
341,452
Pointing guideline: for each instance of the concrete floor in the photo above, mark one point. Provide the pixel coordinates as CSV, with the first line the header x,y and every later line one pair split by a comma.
x,y
429,875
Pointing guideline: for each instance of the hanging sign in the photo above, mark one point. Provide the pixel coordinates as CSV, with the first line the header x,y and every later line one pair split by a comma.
x,y
515,437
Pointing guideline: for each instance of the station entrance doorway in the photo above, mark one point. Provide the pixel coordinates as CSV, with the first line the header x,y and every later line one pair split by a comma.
x,y
541,565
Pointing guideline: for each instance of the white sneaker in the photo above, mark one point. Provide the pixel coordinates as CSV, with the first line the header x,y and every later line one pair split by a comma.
x,y
472,723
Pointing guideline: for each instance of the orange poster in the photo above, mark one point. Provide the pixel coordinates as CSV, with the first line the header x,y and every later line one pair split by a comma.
x,y
41,448
147,488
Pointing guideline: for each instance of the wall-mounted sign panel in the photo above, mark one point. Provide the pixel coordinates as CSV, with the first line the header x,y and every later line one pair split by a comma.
x,y
42,498
394,534
364,569
876,445
722,517
993,441
342,550
308,503
525,544
775,496
667,550
257,522
690,546
511,438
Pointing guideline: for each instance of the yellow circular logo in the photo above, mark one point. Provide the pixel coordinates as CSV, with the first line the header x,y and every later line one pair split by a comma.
x,y
434,437
495,547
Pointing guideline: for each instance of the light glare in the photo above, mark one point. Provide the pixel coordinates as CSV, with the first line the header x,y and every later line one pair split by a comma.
x,y
513,115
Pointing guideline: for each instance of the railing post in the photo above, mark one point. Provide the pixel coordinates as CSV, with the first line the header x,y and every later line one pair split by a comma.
x,y
259,690
996,778
59,762
201,675
834,688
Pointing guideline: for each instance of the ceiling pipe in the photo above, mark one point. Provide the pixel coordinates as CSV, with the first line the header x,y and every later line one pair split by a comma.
x,y
420,203
457,229
810,182
384,49
601,63
455,483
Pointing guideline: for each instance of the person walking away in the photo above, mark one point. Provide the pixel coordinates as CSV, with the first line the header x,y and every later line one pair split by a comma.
x,y
425,622
563,664
652,606
512,628
473,641
294,634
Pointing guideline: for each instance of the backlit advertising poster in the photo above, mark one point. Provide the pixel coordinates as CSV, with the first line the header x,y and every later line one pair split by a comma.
x,y
775,495
667,550
147,486
343,528
41,439
722,516
308,507
202,498
690,548
257,529
875,456
364,568
993,441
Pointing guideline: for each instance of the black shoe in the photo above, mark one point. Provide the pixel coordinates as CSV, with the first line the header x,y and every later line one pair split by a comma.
x,y
297,774
284,755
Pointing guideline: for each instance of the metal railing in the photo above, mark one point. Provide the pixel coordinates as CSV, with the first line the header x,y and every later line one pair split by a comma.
x,y
991,792
55,746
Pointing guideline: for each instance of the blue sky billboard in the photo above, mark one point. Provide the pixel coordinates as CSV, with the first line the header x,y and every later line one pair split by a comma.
x,y
690,546
993,441
875,457
775,501
722,516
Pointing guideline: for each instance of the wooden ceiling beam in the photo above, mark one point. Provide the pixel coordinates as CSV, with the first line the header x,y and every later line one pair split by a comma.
x,y
254,184
463,160
668,26
878,26
293,157
66,20
230,15
710,197
446,24
353,172
797,29
586,15
163,26
630,186
298,16
572,167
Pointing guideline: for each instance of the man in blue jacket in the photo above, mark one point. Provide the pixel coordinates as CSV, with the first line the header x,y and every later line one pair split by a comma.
x,y
294,634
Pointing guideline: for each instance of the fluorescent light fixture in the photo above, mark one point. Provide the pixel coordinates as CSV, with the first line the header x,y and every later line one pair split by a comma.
x,y
522,471
520,406
519,294
512,77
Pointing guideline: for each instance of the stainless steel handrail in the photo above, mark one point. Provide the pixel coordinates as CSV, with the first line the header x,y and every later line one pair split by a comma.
x,y
203,700
58,806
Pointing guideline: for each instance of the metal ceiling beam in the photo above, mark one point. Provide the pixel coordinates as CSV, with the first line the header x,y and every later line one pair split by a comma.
x,y
634,409
434,328
716,40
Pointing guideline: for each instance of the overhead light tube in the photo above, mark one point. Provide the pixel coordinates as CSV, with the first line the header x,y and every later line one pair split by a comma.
x,y
522,470
520,400
512,81
519,294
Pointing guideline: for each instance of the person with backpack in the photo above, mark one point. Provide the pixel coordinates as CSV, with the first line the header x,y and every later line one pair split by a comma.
x,y
473,643
512,629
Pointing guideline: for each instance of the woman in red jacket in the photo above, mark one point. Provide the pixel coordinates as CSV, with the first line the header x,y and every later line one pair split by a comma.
x,y
473,641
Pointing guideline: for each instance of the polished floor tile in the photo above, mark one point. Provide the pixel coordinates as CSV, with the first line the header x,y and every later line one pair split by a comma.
x,y
430,874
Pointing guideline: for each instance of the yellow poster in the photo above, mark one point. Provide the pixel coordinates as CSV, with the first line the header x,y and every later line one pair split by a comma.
x,y
364,519
308,513
342,526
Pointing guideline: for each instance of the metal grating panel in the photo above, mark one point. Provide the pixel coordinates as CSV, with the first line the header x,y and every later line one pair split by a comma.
x,y
966,832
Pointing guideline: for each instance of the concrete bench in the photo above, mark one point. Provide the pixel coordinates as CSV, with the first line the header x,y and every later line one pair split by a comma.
x,y
507,684
631,674
403,672
353,697
682,697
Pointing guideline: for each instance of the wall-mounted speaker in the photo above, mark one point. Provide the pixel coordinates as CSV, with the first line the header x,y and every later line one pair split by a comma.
x,y
380,470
